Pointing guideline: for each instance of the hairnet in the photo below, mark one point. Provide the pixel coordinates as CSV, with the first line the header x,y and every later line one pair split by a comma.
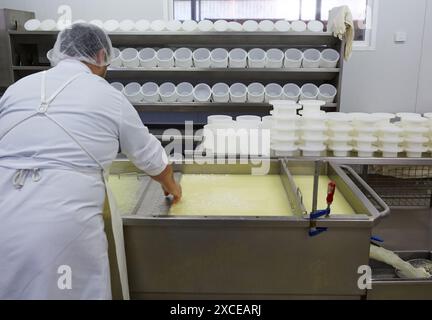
x,y
83,42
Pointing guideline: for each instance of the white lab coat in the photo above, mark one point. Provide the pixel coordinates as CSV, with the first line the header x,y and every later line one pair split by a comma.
x,y
54,222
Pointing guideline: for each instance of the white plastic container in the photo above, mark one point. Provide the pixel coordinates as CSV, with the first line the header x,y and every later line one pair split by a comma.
x,y
256,93
293,58
285,132
285,152
415,143
292,92
221,25
219,58
391,152
202,93
267,123
309,91
183,58
390,143
341,151
280,142
310,121
282,26
311,58
414,122
406,115
129,58
340,142
299,26
287,122
428,115
118,86
205,26
32,25
111,26
133,93
221,93
415,132
174,25
273,91
250,26
341,131
389,131
238,58
238,93
366,152
275,58
147,58
201,58
312,152
415,152
266,26
184,92
327,93
384,118
189,26
339,118
365,131
168,92
365,143
150,91
158,25
257,58
165,58
48,25
311,106
116,61
329,58
142,25
215,119
127,25
315,26
365,121
234,26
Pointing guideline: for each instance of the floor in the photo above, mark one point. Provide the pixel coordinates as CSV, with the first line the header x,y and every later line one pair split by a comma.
x,y
406,229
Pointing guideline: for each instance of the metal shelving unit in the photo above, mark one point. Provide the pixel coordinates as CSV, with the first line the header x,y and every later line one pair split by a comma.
x,y
29,56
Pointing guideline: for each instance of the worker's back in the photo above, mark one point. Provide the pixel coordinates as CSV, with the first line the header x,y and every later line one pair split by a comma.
x,y
89,108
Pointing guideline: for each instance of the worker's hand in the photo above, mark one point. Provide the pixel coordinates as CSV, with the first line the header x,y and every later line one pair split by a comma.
x,y
173,189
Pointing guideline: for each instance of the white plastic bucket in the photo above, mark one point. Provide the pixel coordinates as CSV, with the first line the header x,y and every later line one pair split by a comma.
x,y
48,25
256,93
150,91
273,91
183,58
147,58
32,25
257,58
205,26
189,25
234,26
168,92
309,91
284,108
202,93
129,58
299,26
311,58
185,92
201,58
282,26
118,86
158,25
250,26
219,58
215,119
165,58
248,122
127,26
221,25
327,93
238,58
266,26
133,93
142,25
221,93
275,58
116,61
174,25
111,26
293,58
238,93
291,91
315,26
329,58
366,152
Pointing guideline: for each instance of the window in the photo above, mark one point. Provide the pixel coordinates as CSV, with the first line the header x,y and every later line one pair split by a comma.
x,y
241,10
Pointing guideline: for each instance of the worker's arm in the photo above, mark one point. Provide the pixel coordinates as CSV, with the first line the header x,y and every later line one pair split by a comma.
x,y
145,151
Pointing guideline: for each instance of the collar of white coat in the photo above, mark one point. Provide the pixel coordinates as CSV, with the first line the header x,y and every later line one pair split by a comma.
x,y
74,64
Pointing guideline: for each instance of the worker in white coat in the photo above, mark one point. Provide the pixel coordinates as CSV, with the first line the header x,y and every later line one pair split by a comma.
x,y
60,130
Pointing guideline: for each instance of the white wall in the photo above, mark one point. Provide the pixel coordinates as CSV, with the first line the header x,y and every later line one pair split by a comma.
x,y
392,78
386,79
424,99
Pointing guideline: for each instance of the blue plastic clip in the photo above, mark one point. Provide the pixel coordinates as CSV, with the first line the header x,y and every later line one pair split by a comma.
x,y
318,214
377,239
316,231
